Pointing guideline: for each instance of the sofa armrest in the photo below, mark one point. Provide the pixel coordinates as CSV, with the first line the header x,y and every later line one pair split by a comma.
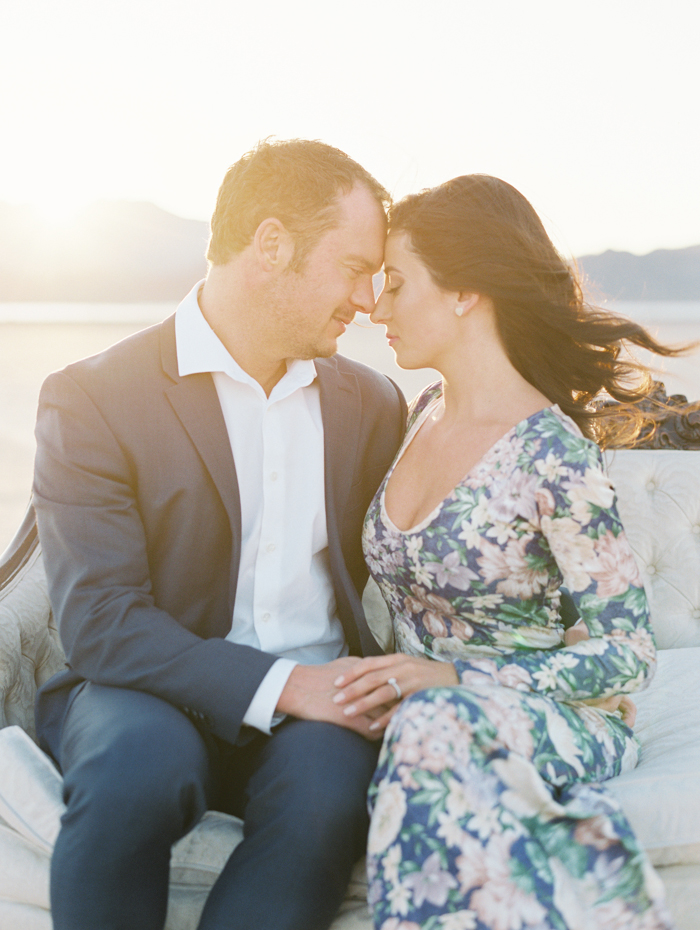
x,y
30,649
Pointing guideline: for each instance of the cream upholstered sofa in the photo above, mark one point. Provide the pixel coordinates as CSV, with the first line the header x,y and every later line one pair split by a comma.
x,y
659,500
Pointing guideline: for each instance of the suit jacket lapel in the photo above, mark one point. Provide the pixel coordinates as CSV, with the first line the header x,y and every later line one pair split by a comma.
x,y
341,432
196,404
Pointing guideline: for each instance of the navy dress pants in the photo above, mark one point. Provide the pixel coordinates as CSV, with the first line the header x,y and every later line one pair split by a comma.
x,y
138,775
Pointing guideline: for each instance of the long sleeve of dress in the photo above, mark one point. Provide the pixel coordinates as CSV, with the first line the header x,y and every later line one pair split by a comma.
x,y
580,541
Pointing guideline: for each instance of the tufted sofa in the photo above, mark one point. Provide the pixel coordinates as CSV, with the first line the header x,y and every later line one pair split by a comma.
x,y
659,500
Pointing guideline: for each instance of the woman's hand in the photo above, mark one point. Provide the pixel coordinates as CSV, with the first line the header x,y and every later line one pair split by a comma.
x,y
365,687
618,702
628,709
576,633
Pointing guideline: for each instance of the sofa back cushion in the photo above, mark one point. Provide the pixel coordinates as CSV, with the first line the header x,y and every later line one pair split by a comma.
x,y
659,501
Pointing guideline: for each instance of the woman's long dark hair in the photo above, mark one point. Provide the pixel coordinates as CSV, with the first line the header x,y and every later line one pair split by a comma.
x,y
477,233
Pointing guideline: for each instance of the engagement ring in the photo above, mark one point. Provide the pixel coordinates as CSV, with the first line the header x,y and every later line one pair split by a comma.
x,y
396,686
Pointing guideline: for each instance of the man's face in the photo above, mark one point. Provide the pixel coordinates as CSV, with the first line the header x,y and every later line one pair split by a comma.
x,y
313,305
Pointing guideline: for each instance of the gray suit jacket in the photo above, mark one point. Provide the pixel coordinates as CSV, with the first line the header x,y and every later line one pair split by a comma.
x,y
139,519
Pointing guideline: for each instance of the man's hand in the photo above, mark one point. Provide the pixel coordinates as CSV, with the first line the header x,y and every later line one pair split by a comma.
x,y
309,693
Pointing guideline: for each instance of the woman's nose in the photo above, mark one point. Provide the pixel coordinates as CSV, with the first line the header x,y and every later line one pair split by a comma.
x,y
381,309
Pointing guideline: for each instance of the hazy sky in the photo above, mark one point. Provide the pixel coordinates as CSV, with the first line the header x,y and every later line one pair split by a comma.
x,y
590,108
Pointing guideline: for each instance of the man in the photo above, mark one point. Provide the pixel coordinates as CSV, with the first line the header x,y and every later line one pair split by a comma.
x,y
200,490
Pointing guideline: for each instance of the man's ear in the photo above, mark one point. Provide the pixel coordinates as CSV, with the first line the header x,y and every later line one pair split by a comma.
x,y
273,245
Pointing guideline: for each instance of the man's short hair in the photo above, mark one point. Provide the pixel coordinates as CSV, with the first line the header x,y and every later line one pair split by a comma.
x,y
296,181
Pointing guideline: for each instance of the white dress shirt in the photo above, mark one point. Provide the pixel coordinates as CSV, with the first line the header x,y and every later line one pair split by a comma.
x,y
285,604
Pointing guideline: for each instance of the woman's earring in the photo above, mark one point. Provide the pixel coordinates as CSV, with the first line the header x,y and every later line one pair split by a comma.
x,y
459,309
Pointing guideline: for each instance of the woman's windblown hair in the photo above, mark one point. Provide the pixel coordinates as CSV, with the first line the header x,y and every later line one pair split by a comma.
x,y
477,233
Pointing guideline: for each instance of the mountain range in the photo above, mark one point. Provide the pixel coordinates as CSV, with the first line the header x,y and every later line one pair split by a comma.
x,y
665,274
118,251
113,252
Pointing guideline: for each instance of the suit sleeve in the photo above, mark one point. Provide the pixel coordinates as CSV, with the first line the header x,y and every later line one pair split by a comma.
x,y
97,564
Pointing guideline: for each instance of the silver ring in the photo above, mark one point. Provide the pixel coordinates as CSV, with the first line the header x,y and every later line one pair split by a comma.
x,y
397,687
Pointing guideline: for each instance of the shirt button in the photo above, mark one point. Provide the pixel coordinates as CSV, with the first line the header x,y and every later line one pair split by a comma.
x,y
274,476
271,547
265,618
651,569
696,529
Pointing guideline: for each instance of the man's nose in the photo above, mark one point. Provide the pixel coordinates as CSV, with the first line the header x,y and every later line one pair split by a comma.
x,y
363,297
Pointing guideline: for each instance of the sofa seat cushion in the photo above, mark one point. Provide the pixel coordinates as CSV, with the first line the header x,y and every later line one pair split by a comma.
x,y
661,796
200,856
31,788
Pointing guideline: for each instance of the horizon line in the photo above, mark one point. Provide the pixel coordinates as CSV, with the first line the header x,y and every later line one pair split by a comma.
x,y
51,219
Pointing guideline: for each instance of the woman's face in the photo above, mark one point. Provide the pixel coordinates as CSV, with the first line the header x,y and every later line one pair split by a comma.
x,y
418,315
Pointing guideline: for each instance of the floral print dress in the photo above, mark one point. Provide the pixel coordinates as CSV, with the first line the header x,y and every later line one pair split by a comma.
x,y
486,806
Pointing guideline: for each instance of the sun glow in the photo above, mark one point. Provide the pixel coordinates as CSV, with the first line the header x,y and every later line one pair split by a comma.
x,y
58,212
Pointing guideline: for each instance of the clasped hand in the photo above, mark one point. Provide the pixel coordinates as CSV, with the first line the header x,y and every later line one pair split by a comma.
x,y
357,693
365,688
354,693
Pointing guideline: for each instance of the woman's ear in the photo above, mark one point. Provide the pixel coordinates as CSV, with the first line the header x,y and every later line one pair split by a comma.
x,y
465,302
273,245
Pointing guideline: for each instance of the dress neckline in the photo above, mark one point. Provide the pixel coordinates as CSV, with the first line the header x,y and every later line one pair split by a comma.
x,y
410,436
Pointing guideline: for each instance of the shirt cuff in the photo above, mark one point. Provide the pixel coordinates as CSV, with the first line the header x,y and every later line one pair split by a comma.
x,y
261,710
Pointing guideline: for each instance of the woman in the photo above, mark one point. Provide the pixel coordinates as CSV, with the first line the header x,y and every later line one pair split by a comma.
x,y
486,807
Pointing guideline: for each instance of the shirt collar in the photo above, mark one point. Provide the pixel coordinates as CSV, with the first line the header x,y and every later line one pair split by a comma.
x,y
199,349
